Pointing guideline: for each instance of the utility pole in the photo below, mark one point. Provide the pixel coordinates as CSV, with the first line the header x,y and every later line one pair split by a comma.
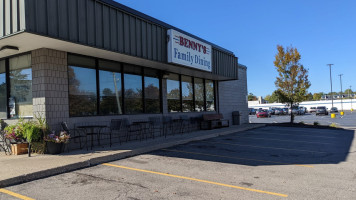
x,y
342,108
331,87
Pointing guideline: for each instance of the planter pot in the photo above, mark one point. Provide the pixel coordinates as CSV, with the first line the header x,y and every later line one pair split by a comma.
x,y
54,148
18,149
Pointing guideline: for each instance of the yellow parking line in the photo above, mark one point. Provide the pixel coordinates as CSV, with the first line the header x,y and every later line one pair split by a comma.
x,y
283,140
15,194
245,145
198,180
237,158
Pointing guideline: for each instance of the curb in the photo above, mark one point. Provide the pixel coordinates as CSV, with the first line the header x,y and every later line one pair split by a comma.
x,y
109,158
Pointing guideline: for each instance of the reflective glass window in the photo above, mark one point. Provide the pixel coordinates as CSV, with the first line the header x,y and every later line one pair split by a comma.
x,y
82,86
173,93
187,94
133,89
3,97
152,91
110,88
199,94
20,100
210,95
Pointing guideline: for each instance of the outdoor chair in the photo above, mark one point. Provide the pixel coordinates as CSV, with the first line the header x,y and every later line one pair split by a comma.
x,y
132,130
156,125
185,125
167,122
74,134
4,143
117,130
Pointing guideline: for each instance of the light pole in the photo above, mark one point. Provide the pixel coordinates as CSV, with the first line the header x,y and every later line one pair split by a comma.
x,y
351,98
331,87
342,108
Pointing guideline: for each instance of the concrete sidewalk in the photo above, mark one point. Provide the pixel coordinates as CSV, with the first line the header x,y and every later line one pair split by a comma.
x,y
19,169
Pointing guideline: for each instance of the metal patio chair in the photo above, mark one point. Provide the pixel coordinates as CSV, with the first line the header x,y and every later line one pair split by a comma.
x,y
4,144
132,129
74,134
167,122
117,130
156,125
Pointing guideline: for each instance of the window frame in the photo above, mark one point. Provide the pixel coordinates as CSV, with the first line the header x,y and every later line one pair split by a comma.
x,y
8,85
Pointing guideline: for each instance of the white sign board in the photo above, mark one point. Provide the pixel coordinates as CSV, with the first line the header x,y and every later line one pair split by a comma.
x,y
185,50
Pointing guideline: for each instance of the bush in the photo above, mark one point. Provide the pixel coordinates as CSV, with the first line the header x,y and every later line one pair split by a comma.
x,y
301,122
316,123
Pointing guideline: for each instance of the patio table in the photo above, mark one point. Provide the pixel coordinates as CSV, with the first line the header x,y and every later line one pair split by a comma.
x,y
90,130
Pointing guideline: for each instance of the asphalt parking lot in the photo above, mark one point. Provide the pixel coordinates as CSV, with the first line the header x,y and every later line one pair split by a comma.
x,y
265,163
346,121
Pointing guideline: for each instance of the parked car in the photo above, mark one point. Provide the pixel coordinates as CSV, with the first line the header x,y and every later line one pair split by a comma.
x,y
251,111
334,110
301,111
263,113
312,109
285,111
321,110
278,111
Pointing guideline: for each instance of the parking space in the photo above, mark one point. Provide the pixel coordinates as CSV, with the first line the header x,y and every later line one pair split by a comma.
x,y
346,121
265,163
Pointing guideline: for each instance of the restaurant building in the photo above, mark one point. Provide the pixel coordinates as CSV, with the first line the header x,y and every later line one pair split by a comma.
x,y
95,60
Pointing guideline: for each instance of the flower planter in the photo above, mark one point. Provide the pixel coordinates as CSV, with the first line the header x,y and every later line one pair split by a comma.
x,y
54,148
20,148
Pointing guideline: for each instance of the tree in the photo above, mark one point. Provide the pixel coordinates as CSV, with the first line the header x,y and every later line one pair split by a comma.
x,y
348,92
252,97
292,83
273,97
317,96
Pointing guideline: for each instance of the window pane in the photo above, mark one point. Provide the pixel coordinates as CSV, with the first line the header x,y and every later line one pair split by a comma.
x,y
133,90
110,88
173,93
3,103
82,91
152,91
187,94
199,94
210,97
20,100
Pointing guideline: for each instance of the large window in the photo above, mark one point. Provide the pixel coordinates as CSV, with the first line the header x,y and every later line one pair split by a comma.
x,y
187,94
152,91
82,86
3,91
110,88
210,95
20,75
199,94
133,90
173,93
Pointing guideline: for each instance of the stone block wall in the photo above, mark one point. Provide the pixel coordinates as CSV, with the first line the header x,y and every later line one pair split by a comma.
x,y
50,85
233,96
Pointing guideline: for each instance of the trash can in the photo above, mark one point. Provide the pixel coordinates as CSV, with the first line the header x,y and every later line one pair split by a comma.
x,y
236,118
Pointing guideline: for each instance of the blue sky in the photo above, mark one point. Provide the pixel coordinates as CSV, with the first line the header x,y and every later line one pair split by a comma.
x,y
324,31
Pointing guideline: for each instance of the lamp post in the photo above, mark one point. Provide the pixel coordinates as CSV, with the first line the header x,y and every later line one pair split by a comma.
x,y
351,98
342,108
331,87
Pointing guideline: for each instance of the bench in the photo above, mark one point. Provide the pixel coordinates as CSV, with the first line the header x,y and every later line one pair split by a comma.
x,y
212,121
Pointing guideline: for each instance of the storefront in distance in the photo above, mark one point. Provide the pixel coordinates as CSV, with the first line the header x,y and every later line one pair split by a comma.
x,y
95,60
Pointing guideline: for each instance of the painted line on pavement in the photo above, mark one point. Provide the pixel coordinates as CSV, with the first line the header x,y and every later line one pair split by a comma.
x,y
246,145
197,180
8,192
283,140
237,158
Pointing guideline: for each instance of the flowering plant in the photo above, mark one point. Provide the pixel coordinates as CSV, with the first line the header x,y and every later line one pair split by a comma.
x,y
14,132
63,137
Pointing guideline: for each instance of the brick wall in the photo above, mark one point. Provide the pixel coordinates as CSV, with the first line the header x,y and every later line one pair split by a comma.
x,y
232,96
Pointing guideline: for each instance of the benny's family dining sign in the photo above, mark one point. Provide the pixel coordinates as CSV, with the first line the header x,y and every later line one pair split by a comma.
x,y
185,50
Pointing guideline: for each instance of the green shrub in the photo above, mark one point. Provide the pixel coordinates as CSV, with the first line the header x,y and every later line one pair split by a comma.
x,y
316,123
301,122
